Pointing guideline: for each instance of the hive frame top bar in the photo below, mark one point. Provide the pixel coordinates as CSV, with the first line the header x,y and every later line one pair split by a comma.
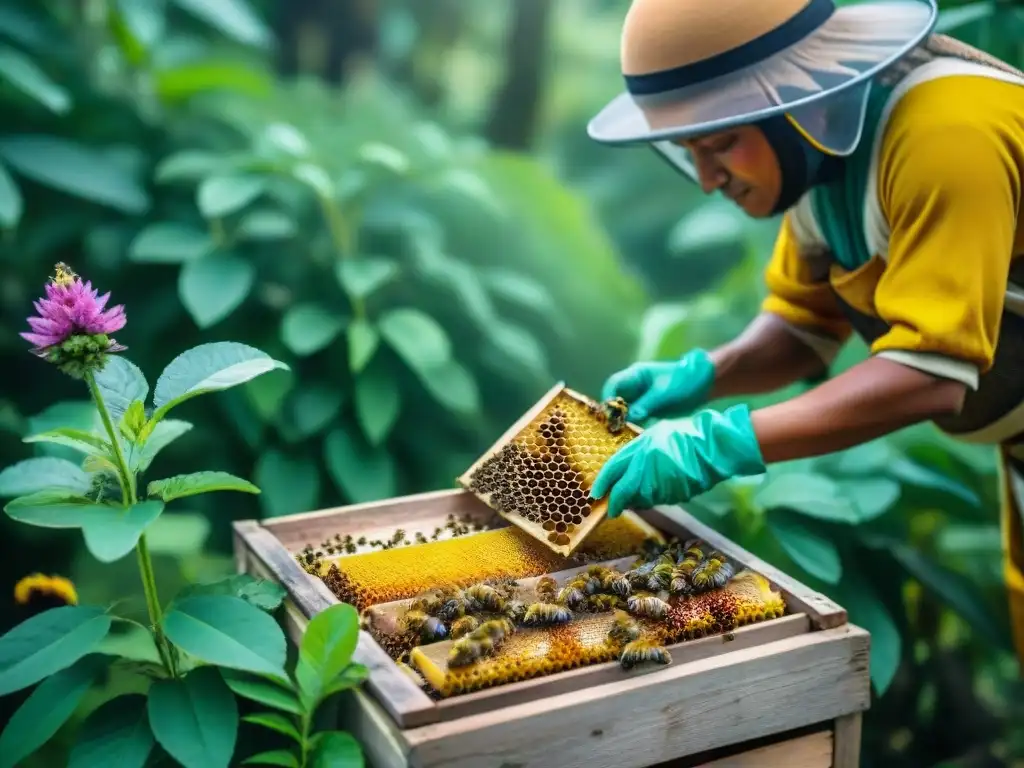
x,y
598,509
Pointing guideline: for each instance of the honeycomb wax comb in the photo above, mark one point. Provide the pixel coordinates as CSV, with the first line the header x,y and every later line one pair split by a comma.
x,y
538,475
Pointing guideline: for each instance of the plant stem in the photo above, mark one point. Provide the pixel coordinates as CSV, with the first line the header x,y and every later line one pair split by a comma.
x,y
130,497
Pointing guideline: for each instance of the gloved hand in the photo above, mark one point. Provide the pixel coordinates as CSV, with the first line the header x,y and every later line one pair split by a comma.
x,y
662,389
675,460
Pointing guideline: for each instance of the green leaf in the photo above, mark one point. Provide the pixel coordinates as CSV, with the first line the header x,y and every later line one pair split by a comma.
x,y
180,486
189,165
290,484
330,640
417,338
260,593
183,81
229,632
77,439
112,532
275,722
452,385
169,242
145,19
76,170
133,422
815,554
263,692
353,676
312,408
952,589
280,757
220,196
809,494
213,287
363,276
954,18
43,473
121,383
194,718
308,328
25,75
337,749
11,204
115,734
362,343
363,472
47,643
866,610
52,509
266,225
180,535
47,709
209,368
234,18
519,348
160,436
378,404
872,496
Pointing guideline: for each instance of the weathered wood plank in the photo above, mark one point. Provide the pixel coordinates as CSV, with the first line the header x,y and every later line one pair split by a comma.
x,y
692,708
813,751
823,612
401,697
847,741
599,674
413,512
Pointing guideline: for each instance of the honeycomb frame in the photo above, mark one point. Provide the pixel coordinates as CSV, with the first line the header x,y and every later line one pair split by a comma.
x,y
546,448
749,598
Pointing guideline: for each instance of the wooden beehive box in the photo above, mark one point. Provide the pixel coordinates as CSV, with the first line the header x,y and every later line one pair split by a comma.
x,y
784,692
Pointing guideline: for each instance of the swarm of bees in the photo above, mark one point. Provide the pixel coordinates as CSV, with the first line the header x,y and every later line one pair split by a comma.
x,y
480,618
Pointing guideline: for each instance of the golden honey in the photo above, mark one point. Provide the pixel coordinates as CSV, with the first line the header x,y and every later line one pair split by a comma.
x,y
389,575
540,479
531,653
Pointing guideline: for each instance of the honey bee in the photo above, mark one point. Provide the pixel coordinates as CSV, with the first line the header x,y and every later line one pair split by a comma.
x,y
464,626
679,585
547,589
63,274
496,629
482,597
571,595
452,609
620,585
469,649
542,614
616,412
429,604
713,573
515,610
642,652
624,629
480,642
648,606
429,627
601,603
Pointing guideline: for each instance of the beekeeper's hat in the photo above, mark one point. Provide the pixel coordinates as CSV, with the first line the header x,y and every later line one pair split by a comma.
x,y
694,67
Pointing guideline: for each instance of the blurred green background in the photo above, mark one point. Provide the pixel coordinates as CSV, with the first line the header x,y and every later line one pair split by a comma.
x,y
399,199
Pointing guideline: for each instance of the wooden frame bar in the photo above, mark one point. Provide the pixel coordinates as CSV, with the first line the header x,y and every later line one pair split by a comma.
x,y
766,680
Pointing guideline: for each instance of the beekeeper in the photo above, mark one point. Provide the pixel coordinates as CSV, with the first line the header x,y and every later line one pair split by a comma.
x,y
896,158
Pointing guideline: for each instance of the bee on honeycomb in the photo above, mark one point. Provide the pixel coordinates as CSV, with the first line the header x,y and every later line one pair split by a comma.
x,y
541,478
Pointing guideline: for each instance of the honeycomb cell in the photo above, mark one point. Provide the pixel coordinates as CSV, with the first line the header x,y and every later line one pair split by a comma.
x,y
544,473
385,576
592,638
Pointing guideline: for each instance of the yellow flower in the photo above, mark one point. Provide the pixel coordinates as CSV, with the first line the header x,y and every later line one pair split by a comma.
x,y
40,585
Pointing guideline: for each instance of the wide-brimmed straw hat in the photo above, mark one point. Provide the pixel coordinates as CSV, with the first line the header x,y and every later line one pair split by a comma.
x,y
695,67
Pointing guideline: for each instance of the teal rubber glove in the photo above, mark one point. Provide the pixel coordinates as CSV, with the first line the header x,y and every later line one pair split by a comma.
x,y
663,389
675,460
